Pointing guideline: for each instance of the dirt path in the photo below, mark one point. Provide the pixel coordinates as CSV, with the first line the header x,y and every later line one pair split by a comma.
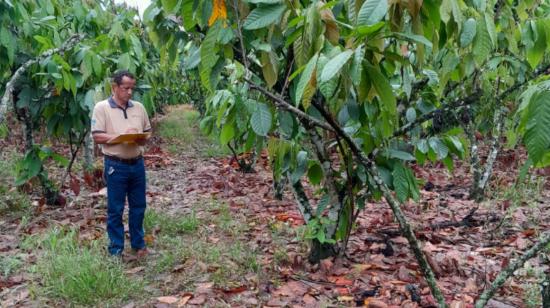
x,y
219,239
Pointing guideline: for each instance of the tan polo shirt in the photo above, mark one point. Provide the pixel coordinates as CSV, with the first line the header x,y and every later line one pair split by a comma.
x,y
109,118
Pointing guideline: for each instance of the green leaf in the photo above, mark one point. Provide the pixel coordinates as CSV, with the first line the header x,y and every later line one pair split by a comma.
x,y
97,65
60,159
150,13
227,133
367,30
392,153
537,134
385,93
209,48
438,147
323,202
46,42
264,16
535,52
404,183
269,67
334,65
490,25
480,5
468,32
31,166
415,38
524,170
261,120
410,114
209,56
187,14
482,43
264,1
315,173
357,67
169,5
124,61
8,41
372,11
306,78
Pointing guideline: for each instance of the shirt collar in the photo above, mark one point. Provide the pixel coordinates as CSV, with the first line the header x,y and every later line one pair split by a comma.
x,y
113,104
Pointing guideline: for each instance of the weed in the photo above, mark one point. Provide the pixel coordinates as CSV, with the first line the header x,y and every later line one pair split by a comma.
x,y
4,131
532,295
523,193
166,262
215,150
170,225
9,265
244,256
280,256
11,200
82,275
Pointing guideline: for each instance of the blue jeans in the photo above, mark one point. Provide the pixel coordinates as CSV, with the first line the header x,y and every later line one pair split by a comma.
x,y
125,180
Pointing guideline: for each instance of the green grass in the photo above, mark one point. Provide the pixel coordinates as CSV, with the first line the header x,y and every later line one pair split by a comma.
x,y
9,265
180,128
525,195
169,225
81,275
210,244
179,125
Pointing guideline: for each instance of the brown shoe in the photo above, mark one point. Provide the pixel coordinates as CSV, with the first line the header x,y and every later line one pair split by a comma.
x,y
142,253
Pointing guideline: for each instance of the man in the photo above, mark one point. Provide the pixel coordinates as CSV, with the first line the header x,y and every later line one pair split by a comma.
x,y
124,168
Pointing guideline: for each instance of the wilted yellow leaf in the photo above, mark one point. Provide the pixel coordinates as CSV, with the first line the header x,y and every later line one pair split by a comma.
x,y
219,11
149,239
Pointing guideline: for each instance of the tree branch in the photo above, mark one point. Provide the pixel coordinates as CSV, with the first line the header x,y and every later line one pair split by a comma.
x,y
10,86
469,100
510,269
73,157
375,174
394,205
281,103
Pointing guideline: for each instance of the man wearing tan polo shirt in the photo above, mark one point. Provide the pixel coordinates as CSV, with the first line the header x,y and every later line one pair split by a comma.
x,y
124,168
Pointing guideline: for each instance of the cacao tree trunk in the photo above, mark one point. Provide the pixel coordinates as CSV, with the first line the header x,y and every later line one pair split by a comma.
x,y
546,291
482,174
49,192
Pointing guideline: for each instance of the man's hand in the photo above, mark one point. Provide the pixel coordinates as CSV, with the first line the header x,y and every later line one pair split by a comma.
x,y
102,138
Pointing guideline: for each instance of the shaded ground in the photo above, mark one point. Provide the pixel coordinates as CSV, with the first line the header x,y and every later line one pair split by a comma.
x,y
218,238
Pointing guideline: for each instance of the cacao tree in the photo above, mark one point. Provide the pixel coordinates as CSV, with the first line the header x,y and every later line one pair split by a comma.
x,y
347,94
56,59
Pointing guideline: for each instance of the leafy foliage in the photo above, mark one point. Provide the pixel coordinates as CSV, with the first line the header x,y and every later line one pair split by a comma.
x,y
60,91
378,69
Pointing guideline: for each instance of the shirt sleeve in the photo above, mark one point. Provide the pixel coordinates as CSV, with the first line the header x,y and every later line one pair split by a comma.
x,y
146,123
98,120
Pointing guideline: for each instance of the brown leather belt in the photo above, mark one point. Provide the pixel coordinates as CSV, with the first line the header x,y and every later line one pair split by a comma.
x,y
129,161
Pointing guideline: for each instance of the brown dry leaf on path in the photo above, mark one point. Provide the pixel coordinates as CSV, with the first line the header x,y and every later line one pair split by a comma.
x,y
292,289
203,288
198,300
168,299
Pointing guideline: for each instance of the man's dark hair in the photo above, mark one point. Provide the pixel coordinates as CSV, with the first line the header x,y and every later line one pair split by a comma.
x,y
118,75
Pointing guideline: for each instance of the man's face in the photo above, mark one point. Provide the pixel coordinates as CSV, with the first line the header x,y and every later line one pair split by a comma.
x,y
123,92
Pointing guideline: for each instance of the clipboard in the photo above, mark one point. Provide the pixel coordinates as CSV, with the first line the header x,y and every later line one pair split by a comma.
x,y
128,138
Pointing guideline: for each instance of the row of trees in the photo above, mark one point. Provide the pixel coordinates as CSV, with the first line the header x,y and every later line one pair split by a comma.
x,y
56,58
349,93
346,93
